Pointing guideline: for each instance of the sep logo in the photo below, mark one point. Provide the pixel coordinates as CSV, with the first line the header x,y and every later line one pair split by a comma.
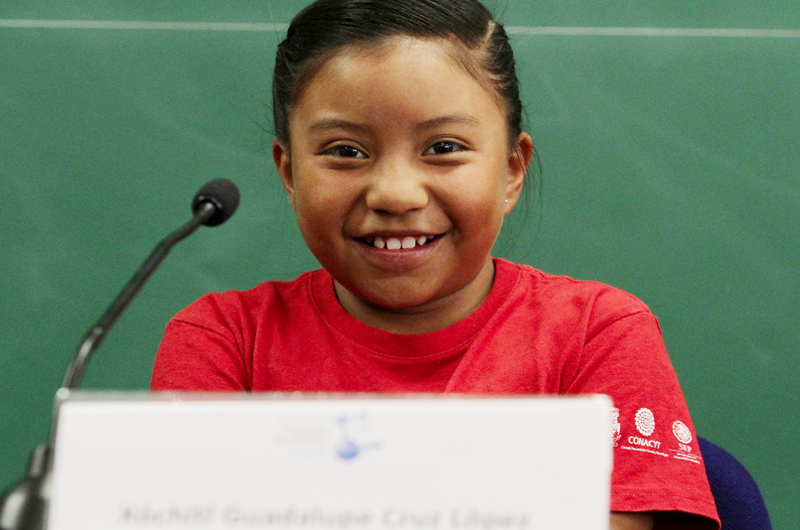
x,y
682,432
684,436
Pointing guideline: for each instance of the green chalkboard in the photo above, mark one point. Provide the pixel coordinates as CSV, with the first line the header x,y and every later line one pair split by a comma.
x,y
671,170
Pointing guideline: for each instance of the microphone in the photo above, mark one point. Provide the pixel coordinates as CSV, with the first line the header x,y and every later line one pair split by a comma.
x,y
223,195
212,205
22,507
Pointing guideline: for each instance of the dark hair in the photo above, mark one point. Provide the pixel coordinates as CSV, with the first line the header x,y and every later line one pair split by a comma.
x,y
325,27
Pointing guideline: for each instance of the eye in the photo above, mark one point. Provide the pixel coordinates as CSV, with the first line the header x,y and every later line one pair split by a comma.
x,y
344,151
443,148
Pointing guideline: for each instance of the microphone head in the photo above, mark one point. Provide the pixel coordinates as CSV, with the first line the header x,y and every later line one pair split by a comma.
x,y
223,195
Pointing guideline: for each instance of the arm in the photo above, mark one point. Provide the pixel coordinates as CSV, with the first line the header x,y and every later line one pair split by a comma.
x,y
631,521
657,463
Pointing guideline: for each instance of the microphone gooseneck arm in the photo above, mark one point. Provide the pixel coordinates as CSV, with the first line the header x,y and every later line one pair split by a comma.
x,y
94,337
22,507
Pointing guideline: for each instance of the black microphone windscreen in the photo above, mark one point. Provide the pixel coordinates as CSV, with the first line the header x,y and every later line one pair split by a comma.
x,y
223,194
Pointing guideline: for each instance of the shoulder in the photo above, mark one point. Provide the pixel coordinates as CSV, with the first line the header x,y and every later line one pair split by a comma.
x,y
562,298
235,306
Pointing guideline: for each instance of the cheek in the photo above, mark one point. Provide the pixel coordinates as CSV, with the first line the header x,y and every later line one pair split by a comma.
x,y
310,190
321,205
478,201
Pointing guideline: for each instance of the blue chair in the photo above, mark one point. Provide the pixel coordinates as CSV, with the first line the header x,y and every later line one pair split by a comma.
x,y
739,502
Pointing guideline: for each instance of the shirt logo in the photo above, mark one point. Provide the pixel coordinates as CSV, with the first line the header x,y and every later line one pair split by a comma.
x,y
646,425
615,427
682,432
645,421
684,450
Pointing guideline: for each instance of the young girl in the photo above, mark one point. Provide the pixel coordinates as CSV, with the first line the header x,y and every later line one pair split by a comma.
x,y
400,147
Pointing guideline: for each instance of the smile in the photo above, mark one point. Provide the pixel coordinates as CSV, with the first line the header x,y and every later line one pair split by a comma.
x,y
397,243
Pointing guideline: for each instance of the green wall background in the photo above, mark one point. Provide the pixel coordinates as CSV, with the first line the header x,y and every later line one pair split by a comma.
x,y
671,170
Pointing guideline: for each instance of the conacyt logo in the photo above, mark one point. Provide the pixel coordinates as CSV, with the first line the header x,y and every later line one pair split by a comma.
x,y
645,421
646,425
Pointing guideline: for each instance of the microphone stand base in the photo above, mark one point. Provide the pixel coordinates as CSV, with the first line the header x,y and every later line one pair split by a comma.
x,y
22,507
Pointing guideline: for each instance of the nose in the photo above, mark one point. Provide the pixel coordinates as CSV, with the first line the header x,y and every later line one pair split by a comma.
x,y
396,189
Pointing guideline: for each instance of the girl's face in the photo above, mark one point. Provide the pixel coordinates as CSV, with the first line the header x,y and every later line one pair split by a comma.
x,y
397,145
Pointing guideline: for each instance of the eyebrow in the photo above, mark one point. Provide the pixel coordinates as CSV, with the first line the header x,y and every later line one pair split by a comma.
x,y
327,124
456,119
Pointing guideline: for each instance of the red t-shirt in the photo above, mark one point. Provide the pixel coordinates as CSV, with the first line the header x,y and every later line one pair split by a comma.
x,y
534,334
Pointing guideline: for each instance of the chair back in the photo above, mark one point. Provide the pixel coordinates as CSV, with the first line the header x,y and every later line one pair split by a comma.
x,y
739,501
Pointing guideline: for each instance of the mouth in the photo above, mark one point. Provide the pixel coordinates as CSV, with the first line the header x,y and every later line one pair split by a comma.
x,y
398,243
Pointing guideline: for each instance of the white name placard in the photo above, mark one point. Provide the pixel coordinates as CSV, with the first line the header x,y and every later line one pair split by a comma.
x,y
314,462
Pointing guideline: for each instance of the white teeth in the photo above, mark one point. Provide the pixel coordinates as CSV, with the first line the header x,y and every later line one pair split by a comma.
x,y
396,243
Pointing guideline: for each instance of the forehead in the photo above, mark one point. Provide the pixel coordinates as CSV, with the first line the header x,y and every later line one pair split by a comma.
x,y
404,72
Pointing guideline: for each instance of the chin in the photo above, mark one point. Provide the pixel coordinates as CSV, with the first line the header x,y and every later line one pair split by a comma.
x,y
396,303
397,299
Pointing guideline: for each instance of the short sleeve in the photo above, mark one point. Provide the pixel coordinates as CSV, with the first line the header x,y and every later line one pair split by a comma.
x,y
657,460
200,353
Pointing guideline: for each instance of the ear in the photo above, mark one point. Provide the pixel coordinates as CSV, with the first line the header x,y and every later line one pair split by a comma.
x,y
283,162
518,164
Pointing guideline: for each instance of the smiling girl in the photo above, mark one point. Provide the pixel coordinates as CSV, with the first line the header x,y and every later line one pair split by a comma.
x,y
400,147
